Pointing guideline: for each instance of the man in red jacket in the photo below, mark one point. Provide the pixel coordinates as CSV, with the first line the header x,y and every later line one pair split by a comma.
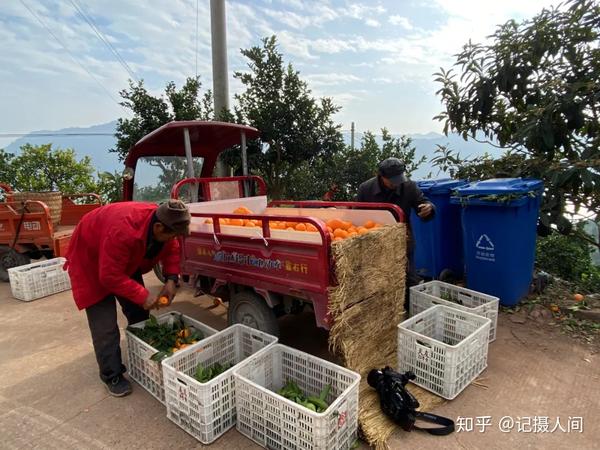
x,y
110,250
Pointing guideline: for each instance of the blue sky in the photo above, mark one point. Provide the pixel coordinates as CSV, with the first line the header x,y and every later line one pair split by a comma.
x,y
375,58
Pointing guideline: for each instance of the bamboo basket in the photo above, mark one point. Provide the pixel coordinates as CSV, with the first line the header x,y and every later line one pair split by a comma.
x,y
52,199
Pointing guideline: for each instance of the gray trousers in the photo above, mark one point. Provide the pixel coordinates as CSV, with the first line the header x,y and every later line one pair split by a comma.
x,y
102,320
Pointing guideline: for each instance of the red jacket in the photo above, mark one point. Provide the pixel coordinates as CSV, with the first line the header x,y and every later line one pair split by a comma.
x,y
108,246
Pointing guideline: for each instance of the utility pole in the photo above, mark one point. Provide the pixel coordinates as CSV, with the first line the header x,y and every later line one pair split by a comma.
x,y
218,27
352,136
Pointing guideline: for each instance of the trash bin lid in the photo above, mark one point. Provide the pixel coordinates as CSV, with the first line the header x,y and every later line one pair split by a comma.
x,y
441,186
501,186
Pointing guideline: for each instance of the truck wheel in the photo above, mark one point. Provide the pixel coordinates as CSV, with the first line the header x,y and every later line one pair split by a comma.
x,y
11,258
159,273
250,309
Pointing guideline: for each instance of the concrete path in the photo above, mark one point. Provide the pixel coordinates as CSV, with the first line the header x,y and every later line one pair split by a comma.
x,y
51,397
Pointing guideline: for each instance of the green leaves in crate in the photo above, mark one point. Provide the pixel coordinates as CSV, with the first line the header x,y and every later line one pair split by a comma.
x,y
167,337
292,392
204,375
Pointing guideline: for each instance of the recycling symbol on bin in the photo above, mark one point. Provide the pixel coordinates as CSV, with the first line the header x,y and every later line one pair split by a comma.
x,y
485,243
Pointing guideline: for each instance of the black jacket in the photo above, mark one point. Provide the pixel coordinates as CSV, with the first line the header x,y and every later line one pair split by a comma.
x,y
407,196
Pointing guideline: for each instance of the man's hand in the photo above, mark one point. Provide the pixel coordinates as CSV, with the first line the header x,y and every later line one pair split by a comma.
x,y
425,210
169,290
151,302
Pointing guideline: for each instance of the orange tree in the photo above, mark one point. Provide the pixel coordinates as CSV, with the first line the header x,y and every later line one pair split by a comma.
x,y
534,89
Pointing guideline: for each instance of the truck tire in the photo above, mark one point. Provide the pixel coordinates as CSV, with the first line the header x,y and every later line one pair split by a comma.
x,y
11,258
250,309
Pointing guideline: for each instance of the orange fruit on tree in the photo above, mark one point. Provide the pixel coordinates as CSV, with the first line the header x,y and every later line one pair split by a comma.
x,y
554,308
340,233
578,297
300,227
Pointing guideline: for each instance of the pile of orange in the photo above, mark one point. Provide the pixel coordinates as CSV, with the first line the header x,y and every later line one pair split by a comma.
x,y
338,229
341,229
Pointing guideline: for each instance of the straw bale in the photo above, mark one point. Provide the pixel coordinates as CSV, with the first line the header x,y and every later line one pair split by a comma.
x,y
366,305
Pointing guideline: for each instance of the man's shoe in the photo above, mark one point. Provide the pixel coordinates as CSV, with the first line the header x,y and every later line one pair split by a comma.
x,y
119,386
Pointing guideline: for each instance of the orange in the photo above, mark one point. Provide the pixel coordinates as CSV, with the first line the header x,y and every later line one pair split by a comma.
x,y
258,223
236,222
346,225
163,301
310,227
300,227
340,233
249,224
290,229
224,221
290,224
182,346
334,224
369,224
362,230
242,210
329,229
209,220
352,234
578,297
337,239
352,229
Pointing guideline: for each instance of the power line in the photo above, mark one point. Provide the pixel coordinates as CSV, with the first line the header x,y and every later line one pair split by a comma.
x,y
90,21
70,53
14,135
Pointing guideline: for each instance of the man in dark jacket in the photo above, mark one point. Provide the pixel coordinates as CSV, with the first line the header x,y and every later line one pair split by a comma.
x,y
391,186
109,251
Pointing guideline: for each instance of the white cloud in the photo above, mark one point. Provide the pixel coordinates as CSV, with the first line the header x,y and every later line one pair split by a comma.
x,y
401,21
329,79
372,23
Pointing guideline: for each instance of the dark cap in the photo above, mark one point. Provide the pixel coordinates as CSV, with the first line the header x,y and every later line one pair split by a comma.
x,y
174,215
393,169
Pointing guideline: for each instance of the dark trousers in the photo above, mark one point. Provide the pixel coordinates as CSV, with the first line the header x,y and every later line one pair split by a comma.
x,y
412,278
102,319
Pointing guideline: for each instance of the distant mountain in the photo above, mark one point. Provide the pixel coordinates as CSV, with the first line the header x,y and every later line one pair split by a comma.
x,y
96,146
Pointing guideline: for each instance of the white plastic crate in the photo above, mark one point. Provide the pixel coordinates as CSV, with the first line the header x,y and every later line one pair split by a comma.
x,y
275,422
141,368
40,279
207,410
445,347
433,293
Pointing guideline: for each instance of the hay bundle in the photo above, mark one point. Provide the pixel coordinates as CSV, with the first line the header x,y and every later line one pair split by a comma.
x,y
366,305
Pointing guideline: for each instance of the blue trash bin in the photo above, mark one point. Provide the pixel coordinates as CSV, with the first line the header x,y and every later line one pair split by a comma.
x,y
499,222
438,242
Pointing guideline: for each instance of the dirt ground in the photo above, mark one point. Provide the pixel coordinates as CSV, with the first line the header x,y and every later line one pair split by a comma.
x,y
51,397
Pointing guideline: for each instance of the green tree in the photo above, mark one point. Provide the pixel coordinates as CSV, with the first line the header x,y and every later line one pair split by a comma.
x,y
533,89
296,129
150,112
109,186
343,172
41,168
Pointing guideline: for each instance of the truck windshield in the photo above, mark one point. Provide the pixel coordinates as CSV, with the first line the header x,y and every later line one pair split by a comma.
x,y
156,175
